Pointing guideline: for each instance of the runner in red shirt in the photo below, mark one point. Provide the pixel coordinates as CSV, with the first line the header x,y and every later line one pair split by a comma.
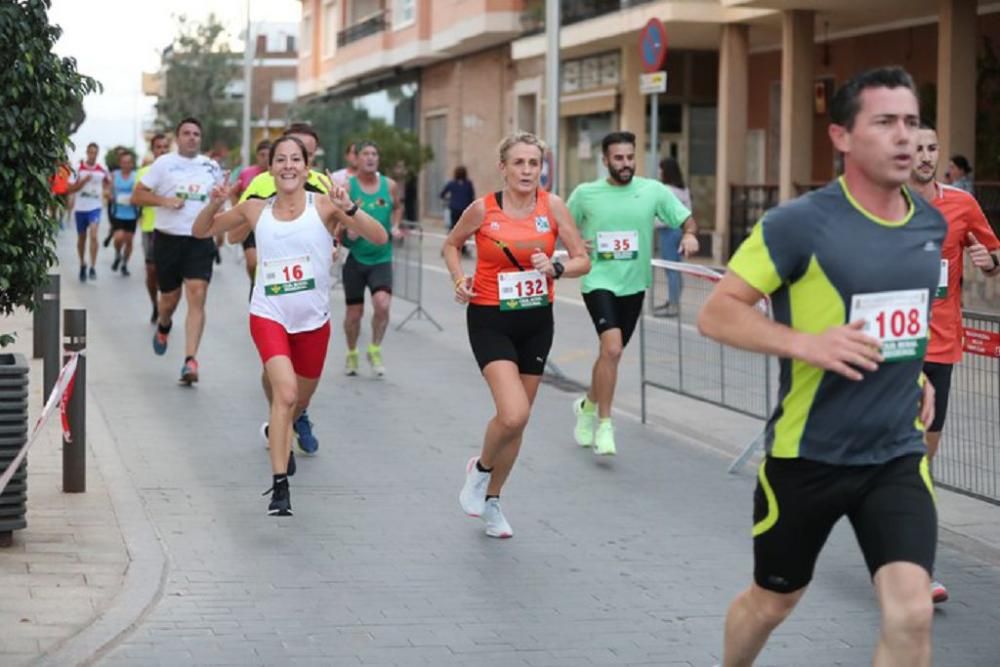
x,y
968,230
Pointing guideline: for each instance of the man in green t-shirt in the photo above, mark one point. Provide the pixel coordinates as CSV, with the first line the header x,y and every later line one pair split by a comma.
x,y
616,217
370,265
158,145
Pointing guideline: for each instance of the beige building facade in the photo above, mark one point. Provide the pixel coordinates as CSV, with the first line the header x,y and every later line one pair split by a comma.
x,y
748,82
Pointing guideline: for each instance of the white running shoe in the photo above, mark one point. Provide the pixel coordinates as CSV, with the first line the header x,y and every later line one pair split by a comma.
x,y
939,593
583,432
496,524
473,495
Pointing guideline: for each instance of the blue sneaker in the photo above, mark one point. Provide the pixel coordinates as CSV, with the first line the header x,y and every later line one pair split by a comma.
x,y
307,442
159,343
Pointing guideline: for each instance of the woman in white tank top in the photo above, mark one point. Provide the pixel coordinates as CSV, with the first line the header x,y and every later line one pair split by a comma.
x,y
290,303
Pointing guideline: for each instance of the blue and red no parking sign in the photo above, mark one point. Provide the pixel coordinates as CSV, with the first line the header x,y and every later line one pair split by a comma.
x,y
653,46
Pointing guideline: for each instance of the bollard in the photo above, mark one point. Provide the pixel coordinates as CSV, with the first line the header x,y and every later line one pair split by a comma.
x,y
49,325
75,448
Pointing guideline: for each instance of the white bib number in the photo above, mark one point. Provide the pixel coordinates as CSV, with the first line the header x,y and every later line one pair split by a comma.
x,y
942,288
287,276
522,289
618,245
897,319
123,199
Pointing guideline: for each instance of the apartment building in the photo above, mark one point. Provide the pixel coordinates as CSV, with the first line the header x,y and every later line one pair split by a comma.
x,y
273,83
748,81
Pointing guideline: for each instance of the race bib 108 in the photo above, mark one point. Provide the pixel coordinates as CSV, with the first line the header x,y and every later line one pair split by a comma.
x,y
522,289
287,276
897,319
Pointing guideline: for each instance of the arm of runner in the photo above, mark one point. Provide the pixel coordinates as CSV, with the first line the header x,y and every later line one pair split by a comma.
x,y
927,401
211,222
143,196
981,257
730,316
397,208
467,225
334,212
76,185
689,240
579,257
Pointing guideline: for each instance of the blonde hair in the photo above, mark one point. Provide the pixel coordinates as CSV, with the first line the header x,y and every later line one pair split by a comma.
x,y
519,137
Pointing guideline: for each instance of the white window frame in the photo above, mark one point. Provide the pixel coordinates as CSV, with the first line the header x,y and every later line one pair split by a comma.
x,y
331,22
278,84
399,22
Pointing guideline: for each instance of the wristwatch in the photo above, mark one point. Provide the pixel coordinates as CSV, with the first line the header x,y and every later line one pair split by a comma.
x,y
351,211
996,262
558,269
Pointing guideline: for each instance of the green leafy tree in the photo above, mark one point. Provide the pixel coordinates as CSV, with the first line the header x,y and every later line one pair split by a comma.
x,y
397,145
198,67
337,125
41,102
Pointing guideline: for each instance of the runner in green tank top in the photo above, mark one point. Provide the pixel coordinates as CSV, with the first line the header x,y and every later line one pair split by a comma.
x,y
370,266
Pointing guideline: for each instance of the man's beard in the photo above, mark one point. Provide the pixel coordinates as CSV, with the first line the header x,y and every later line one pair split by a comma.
x,y
616,175
920,178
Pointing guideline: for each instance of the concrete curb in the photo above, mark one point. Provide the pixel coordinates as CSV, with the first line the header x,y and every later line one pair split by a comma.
x,y
148,565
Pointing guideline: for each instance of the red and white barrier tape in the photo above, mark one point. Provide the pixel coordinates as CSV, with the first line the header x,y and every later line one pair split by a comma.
x,y
61,393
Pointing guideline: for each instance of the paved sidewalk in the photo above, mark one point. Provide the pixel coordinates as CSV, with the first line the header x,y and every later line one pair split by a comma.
x,y
69,564
625,561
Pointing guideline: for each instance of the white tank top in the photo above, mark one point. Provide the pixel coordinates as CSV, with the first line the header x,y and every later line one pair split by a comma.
x,y
294,259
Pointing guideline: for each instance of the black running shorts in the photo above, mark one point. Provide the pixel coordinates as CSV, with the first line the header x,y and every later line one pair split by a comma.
x,y
123,225
180,258
614,312
521,336
797,502
358,276
940,377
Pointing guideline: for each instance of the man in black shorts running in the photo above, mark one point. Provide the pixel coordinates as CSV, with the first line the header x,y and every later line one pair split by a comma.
x,y
851,270
179,184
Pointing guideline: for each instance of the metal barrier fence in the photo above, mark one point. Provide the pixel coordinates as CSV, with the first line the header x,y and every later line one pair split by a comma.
x,y
408,270
968,460
675,357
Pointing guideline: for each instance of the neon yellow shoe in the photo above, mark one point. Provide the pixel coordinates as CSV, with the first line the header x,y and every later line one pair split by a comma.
x,y
604,441
351,364
586,413
375,359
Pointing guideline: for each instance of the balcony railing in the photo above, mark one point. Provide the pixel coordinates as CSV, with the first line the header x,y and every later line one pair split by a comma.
x,y
366,27
572,11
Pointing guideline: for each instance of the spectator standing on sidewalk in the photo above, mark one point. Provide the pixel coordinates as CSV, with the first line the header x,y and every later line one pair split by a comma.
x,y
457,194
959,174
670,237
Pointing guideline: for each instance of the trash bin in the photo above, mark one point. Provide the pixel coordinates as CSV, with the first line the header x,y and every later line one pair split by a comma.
x,y
13,434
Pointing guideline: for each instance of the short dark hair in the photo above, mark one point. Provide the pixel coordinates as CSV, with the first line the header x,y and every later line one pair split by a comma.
x,y
282,139
962,163
361,145
263,145
93,144
846,102
621,137
927,125
302,128
349,148
184,121
670,171
156,137
460,174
